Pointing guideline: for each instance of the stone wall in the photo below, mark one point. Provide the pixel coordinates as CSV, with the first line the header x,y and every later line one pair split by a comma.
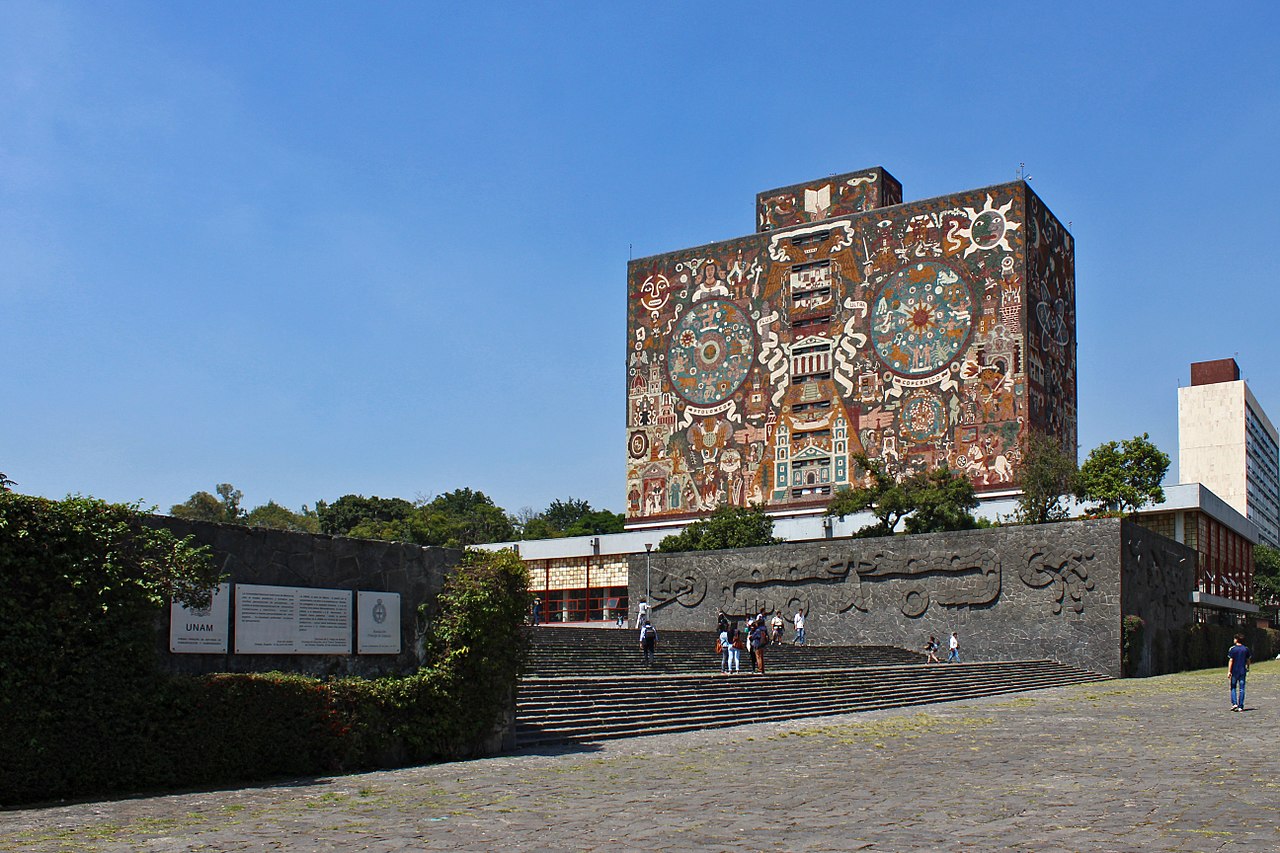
x,y
1041,591
259,555
1159,575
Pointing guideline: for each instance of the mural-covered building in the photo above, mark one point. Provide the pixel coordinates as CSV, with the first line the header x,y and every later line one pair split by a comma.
x,y
923,333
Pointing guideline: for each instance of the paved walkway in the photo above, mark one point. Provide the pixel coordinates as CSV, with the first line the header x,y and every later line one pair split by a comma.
x,y
1158,764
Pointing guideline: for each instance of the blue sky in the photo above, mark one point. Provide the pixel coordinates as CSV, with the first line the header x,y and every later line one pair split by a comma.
x,y
321,248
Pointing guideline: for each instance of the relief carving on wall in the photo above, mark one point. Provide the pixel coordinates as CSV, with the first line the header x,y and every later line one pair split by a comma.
x,y
686,587
1157,564
1066,570
911,584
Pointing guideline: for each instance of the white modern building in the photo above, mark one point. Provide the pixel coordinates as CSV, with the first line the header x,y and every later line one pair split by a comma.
x,y
1227,442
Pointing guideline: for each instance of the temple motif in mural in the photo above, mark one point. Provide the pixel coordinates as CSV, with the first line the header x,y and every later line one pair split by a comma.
x,y
937,332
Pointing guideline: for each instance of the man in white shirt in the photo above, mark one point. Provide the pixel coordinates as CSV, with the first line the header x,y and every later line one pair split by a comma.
x,y
953,656
799,624
642,613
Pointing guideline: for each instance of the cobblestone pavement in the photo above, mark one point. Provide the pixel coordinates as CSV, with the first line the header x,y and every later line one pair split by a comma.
x,y
1157,764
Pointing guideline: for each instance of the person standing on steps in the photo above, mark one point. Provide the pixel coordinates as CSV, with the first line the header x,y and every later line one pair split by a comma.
x,y
726,645
953,656
642,612
648,642
735,649
537,611
759,637
1238,658
799,625
775,626
722,621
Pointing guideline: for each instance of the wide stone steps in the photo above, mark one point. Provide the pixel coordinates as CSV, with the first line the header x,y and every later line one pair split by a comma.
x,y
561,709
610,651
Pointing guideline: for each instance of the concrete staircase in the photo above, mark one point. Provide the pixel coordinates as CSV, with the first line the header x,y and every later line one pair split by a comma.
x,y
614,651
622,698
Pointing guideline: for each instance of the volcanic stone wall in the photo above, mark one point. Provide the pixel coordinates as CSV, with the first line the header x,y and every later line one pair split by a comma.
x,y
1053,591
259,555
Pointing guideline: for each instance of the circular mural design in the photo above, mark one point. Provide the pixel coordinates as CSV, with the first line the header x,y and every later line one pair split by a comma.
x,y
711,352
639,445
923,418
922,318
988,229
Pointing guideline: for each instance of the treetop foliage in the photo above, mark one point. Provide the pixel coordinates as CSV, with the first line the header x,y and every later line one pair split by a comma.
x,y
1122,476
1266,575
727,527
1048,477
570,517
930,501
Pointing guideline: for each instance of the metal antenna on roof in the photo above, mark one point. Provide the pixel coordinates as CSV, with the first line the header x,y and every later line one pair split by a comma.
x,y
1021,174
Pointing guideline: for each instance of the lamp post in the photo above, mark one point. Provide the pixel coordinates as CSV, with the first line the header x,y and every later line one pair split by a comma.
x,y
648,549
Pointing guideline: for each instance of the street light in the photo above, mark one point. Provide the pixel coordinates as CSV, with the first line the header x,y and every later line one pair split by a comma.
x,y
648,549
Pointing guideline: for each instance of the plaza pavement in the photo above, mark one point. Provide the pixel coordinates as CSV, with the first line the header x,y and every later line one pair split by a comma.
x,y
1154,764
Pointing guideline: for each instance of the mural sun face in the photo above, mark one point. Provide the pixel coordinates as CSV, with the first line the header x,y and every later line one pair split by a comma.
x,y
921,318
989,228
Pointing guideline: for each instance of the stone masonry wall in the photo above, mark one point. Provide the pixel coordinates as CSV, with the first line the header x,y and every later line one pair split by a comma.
x,y
259,555
1158,576
1037,591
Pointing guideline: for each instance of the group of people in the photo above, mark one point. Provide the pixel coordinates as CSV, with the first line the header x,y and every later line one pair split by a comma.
x,y
755,637
953,649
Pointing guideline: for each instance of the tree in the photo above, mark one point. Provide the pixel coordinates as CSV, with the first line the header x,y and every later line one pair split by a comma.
x,y
1122,476
273,515
203,506
5,483
1048,475
465,517
884,497
943,500
349,511
727,527
1266,576
570,517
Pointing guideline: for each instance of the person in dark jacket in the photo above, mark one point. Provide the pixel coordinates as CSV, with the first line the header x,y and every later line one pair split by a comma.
x,y
648,642
759,637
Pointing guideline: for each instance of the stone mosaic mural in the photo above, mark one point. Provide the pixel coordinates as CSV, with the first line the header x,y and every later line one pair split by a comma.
x,y
928,333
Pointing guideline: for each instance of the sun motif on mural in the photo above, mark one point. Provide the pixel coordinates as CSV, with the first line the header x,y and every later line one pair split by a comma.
x,y
921,318
711,352
989,228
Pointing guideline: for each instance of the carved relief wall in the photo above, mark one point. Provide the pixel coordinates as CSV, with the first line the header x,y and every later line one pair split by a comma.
x,y
1159,574
1045,591
922,334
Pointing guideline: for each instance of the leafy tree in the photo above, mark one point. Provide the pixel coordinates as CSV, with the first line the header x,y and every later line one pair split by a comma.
x,y
727,527
1122,476
929,501
203,506
1048,476
570,517
271,514
465,517
888,500
5,483
349,511
943,500
1266,575
562,515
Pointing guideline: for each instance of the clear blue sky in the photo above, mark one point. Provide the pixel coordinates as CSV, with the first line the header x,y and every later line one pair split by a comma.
x,y
319,248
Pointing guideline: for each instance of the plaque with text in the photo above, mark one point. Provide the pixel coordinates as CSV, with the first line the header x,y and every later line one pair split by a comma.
x,y
290,620
378,623
203,631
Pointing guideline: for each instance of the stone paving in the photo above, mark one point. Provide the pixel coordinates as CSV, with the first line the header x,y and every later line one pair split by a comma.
x,y
1154,764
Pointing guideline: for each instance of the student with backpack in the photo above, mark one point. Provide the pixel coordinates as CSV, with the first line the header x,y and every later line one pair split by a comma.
x,y
648,642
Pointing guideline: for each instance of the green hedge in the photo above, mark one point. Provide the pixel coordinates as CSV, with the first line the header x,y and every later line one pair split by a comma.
x,y
86,711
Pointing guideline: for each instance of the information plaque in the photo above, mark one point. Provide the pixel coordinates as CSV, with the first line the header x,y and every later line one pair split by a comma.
x,y
378,623
203,631
284,620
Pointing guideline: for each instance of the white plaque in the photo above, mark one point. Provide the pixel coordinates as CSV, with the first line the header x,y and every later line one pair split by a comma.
x,y
290,620
204,631
378,623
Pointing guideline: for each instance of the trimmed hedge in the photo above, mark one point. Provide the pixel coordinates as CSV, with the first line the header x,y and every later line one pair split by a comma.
x,y
82,584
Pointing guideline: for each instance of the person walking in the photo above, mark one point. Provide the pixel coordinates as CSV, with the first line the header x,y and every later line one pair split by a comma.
x,y
537,611
722,621
642,612
648,642
798,622
1238,659
775,624
931,649
953,656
